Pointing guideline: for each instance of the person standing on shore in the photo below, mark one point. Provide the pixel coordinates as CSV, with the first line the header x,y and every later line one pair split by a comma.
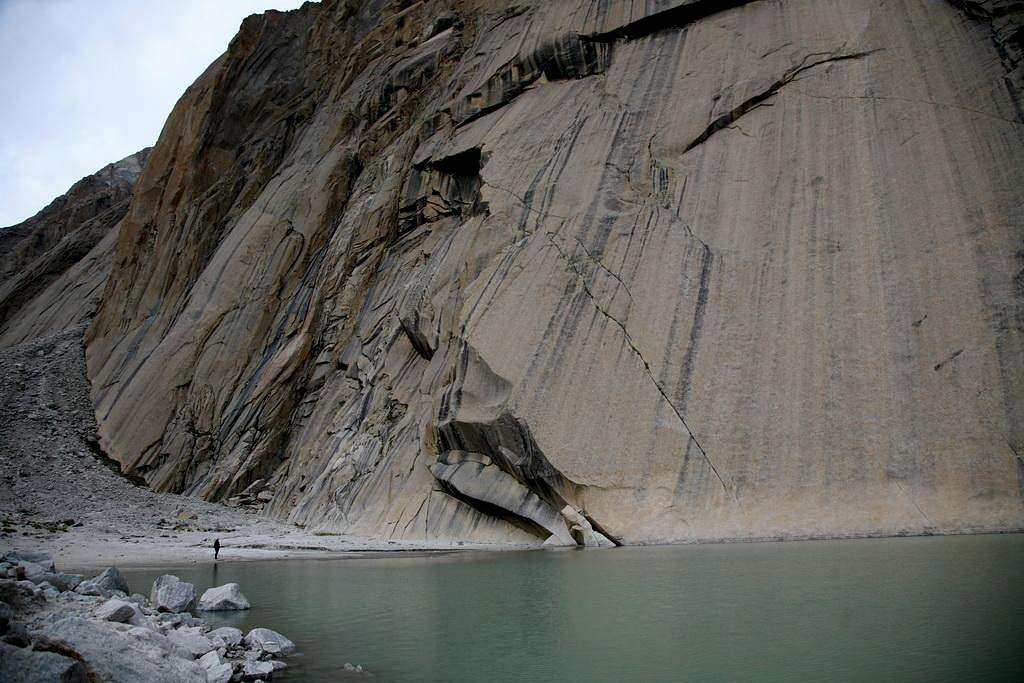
x,y
216,548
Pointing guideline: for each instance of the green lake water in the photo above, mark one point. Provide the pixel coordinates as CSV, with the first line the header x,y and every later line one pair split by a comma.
x,y
899,609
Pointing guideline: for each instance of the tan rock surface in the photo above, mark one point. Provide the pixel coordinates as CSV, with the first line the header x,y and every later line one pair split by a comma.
x,y
700,270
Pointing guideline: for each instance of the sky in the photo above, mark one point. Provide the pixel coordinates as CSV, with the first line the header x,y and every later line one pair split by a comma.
x,y
87,82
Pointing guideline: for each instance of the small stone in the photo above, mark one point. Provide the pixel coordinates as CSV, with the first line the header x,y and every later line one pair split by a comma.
x,y
140,600
252,671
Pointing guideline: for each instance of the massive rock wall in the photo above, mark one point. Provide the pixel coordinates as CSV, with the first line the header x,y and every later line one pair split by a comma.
x,y
53,265
698,269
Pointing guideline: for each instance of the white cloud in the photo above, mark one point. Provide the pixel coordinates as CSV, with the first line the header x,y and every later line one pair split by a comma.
x,y
87,82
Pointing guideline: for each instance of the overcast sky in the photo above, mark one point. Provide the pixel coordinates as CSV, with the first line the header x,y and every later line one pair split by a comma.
x,y
87,82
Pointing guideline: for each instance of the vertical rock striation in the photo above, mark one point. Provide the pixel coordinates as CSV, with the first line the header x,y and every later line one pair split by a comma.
x,y
650,270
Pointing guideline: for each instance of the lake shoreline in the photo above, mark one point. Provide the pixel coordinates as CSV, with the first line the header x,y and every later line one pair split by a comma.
x,y
88,554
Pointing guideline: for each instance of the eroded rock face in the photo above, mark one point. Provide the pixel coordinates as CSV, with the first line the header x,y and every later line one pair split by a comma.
x,y
689,269
53,266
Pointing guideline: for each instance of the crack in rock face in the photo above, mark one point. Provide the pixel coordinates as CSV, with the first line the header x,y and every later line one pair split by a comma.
x,y
760,99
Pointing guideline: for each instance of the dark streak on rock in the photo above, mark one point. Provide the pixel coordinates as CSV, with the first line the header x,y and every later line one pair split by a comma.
x,y
632,345
940,365
698,325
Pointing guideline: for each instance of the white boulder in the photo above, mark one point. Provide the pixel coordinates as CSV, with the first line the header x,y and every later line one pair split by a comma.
x,y
192,640
269,641
104,584
223,598
229,635
120,611
171,594
115,656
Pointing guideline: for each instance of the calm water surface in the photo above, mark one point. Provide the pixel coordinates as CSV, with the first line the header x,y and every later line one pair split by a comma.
x,y
906,609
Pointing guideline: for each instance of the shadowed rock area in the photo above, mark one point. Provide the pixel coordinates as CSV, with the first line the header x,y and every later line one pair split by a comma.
x,y
588,271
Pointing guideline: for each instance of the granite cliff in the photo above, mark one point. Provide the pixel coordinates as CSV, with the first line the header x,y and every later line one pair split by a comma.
x,y
589,270
53,265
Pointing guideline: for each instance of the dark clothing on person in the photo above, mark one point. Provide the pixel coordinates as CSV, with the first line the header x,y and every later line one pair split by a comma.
x,y
216,548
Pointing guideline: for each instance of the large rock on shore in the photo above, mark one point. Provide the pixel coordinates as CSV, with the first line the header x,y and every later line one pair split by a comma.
x,y
218,669
17,593
268,641
229,635
171,594
223,598
120,611
36,557
104,584
61,581
192,640
115,656
21,665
